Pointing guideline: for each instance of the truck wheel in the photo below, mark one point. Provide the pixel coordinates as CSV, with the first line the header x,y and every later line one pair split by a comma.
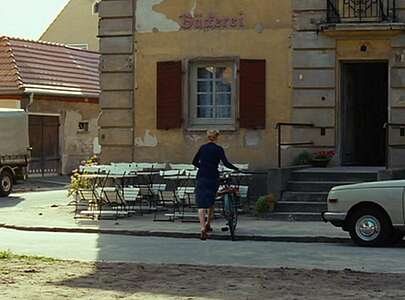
x,y
370,228
6,183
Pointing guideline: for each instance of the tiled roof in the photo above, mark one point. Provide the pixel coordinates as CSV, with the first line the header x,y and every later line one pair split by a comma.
x,y
47,68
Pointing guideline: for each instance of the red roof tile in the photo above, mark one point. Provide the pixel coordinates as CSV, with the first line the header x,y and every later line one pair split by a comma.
x,y
47,68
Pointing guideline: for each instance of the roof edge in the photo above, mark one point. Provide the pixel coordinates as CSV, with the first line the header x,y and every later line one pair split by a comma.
x,y
48,44
17,74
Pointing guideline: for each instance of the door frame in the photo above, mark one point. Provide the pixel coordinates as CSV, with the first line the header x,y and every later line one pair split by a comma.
x,y
60,131
339,101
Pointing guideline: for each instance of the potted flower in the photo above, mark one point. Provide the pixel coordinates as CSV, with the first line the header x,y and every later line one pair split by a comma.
x,y
322,158
265,204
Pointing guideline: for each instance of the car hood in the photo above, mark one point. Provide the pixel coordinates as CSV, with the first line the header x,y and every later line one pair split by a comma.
x,y
373,184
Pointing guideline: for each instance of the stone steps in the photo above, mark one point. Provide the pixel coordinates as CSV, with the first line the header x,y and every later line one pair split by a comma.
x,y
305,196
295,216
333,176
305,206
307,190
315,186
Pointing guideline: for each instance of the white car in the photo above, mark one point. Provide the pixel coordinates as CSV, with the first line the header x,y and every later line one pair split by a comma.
x,y
372,212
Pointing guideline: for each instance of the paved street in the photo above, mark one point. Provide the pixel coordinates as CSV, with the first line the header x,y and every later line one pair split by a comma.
x,y
49,211
84,246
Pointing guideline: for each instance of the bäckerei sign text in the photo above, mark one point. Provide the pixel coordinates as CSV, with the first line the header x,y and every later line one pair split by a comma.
x,y
211,21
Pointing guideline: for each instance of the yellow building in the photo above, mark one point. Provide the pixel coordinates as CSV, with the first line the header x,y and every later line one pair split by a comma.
x,y
173,68
191,66
76,25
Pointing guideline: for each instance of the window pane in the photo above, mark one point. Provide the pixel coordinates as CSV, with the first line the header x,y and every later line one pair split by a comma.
x,y
204,86
223,112
223,87
204,99
205,73
224,74
205,112
223,99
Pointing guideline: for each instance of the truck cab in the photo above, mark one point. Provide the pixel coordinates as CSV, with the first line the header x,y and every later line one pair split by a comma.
x,y
14,148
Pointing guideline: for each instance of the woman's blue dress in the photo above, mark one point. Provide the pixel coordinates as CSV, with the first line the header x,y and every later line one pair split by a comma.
x,y
207,161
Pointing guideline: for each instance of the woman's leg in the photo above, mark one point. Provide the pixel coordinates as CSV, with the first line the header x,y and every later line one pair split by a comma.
x,y
201,216
210,216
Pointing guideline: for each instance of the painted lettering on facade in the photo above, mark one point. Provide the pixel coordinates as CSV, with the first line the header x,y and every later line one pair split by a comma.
x,y
210,22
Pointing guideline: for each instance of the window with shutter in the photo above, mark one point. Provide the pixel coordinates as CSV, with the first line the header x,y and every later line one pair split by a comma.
x,y
212,94
169,95
252,98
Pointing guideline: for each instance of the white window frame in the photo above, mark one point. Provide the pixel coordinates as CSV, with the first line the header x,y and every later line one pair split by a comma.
x,y
191,102
79,46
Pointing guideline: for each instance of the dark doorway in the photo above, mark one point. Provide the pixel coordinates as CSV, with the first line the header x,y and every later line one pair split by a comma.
x,y
44,140
364,110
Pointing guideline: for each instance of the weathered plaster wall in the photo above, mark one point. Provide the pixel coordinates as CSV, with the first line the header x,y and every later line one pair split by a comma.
x,y
4,103
76,24
316,60
74,145
266,35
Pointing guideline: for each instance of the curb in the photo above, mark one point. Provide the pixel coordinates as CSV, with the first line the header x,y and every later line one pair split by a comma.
x,y
183,235
35,189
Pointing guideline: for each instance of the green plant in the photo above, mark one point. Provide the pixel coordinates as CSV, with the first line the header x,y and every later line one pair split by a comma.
x,y
5,254
77,182
265,204
303,158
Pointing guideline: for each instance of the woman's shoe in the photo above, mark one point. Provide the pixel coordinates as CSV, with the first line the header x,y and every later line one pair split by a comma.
x,y
203,235
208,228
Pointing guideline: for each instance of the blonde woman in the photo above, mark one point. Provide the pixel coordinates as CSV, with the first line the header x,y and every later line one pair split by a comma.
x,y
207,161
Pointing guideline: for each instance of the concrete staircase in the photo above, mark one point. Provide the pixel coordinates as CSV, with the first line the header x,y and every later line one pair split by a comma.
x,y
307,190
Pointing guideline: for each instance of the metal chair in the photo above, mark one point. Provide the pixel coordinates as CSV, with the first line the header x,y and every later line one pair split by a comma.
x,y
168,204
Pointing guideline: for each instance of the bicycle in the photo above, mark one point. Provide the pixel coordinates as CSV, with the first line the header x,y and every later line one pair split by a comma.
x,y
229,196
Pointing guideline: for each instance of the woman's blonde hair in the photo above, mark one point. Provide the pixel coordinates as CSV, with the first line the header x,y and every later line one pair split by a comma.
x,y
212,134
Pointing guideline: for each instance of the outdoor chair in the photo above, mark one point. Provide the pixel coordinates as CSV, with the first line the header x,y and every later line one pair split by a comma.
x,y
131,198
156,187
182,167
146,197
86,201
166,204
89,202
112,198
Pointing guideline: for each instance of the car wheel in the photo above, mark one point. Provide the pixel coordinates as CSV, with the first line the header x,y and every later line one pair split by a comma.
x,y
370,227
6,183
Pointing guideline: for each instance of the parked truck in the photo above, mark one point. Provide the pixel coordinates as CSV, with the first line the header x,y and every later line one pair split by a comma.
x,y
14,148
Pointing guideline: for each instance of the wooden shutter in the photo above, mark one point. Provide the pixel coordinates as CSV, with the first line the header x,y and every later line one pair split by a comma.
x,y
169,95
252,110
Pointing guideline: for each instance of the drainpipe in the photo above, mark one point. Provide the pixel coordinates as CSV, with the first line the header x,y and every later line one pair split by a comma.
x,y
31,98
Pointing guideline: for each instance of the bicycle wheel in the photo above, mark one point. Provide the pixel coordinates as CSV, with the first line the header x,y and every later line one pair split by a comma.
x,y
232,216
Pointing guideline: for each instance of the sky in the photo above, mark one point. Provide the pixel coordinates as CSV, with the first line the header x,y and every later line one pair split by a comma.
x,y
28,18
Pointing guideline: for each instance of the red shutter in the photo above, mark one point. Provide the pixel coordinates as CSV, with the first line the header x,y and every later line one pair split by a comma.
x,y
169,94
252,98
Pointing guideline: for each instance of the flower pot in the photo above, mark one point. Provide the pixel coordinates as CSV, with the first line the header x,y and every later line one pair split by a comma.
x,y
320,163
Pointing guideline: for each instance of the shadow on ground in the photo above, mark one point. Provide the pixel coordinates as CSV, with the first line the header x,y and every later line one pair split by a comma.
x,y
10,201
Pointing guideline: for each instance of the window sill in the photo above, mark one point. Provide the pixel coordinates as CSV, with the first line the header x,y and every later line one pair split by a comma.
x,y
201,128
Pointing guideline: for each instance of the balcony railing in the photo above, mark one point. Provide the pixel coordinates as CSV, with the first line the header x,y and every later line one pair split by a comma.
x,y
361,11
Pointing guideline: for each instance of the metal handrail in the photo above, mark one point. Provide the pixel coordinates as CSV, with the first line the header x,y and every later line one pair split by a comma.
x,y
279,127
388,146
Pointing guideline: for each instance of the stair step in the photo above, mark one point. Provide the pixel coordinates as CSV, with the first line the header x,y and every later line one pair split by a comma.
x,y
305,196
306,175
296,206
314,186
295,216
